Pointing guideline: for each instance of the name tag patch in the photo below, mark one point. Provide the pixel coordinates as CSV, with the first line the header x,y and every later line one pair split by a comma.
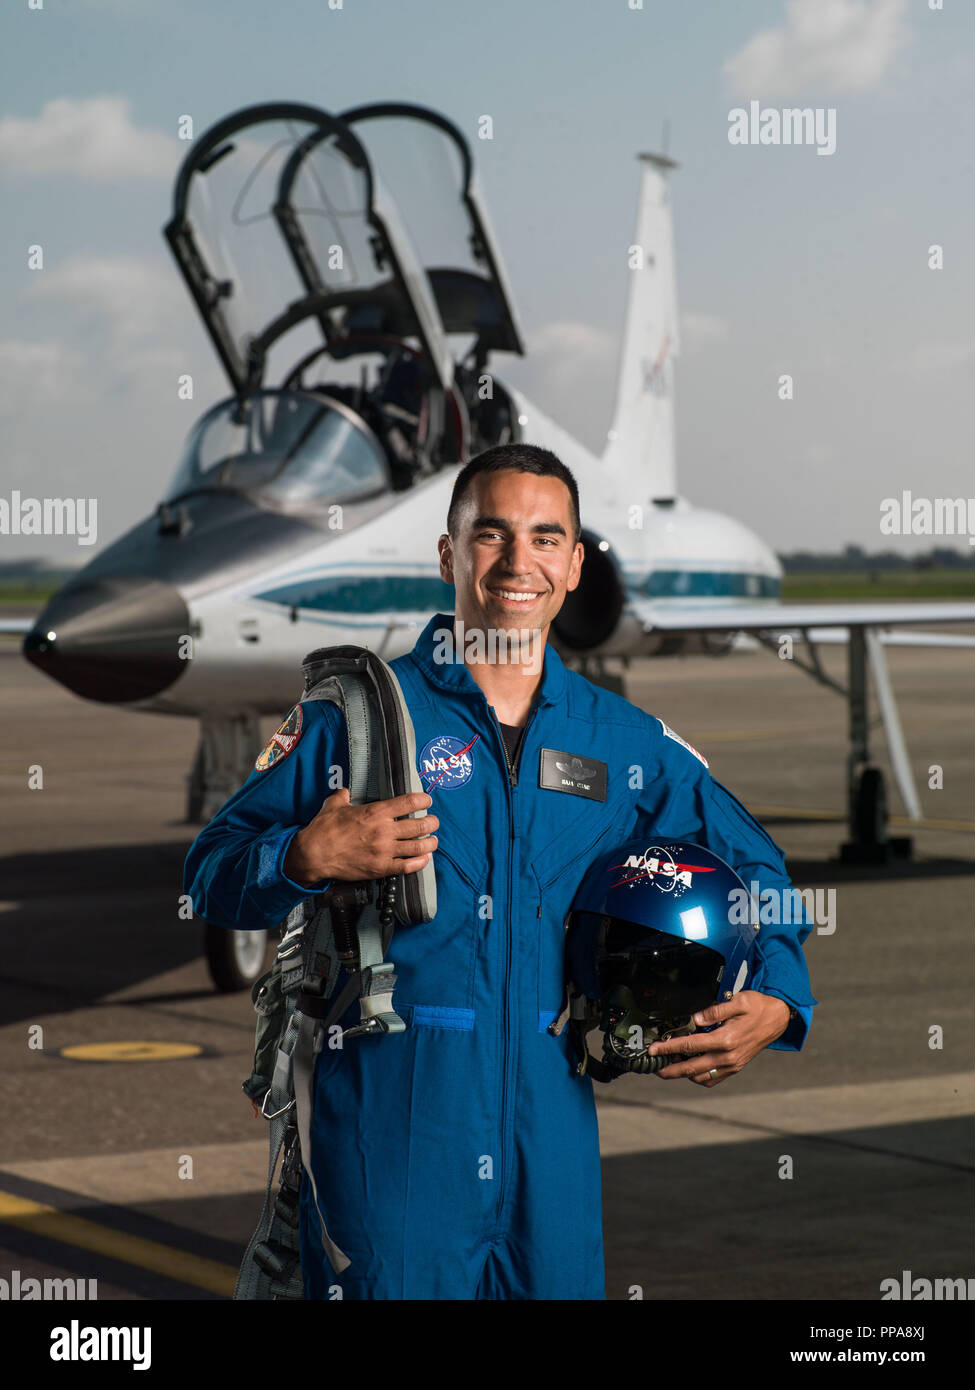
x,y
572,772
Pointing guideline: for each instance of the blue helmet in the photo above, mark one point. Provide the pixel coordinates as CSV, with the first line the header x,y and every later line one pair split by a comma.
x,y
655,933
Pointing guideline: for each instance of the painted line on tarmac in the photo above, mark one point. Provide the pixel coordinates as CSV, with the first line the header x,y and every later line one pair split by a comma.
x,y
769,731
838,1115
152,1175
46,1221
902,822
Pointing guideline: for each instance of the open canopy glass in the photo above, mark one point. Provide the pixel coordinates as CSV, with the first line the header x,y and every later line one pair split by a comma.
x,y
277,205
288,447
426,167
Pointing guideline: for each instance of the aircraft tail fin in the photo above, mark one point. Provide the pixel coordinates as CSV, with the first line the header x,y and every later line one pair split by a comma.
x,y
640,450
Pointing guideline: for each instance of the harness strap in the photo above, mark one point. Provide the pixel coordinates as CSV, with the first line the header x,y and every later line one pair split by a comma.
x,y
252,1279
308,959
310,1036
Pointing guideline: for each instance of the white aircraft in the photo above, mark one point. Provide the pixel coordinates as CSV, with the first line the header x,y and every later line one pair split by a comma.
x,y
356,251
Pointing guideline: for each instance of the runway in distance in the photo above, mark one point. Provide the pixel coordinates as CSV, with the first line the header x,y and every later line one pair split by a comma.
x,y
346,273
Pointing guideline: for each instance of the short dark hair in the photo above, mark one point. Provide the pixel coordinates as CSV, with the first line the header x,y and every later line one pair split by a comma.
x,y
524,458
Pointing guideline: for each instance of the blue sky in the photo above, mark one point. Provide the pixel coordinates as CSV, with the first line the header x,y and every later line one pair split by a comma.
x,y
787,261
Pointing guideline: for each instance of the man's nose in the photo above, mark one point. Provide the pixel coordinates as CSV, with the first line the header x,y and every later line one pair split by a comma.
x,y
518,557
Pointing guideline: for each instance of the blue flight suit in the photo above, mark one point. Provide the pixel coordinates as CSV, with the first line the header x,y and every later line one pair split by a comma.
x,y
460,1159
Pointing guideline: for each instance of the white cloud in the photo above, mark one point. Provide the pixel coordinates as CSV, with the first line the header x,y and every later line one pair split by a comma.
x,y
845,45
570,371
36,374
700,330
94,138
942,356
128,314
133,294
567,359
571,346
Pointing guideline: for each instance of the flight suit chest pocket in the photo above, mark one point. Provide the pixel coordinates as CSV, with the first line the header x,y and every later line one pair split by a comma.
x,y
557,876
436,961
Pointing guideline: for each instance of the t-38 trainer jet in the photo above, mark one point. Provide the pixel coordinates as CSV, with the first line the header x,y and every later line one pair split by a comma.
x,y
346,273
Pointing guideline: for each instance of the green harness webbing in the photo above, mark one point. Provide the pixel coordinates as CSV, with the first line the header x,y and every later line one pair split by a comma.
x,y
300,984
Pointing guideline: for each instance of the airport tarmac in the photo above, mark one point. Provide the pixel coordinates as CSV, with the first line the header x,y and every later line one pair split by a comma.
x,y
876,1121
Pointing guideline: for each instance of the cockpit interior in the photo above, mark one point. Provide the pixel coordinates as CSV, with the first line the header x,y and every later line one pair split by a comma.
x,y
346,274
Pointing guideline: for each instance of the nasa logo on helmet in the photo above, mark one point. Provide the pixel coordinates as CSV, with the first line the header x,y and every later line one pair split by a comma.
x,y
655,934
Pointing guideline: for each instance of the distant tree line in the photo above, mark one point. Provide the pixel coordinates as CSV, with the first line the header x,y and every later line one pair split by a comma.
x,y
34,570
855,558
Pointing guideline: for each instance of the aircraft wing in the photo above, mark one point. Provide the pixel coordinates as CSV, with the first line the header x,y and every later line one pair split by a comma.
x,y
826,622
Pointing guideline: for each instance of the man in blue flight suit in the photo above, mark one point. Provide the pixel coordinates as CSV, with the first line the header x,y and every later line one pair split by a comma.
x,y
460,1158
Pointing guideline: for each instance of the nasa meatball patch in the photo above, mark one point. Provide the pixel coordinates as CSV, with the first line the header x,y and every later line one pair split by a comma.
x,y
683,742
280,744
446,763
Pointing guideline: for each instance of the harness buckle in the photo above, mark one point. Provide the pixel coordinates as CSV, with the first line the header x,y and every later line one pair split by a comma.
x,y
376,1001
283,1111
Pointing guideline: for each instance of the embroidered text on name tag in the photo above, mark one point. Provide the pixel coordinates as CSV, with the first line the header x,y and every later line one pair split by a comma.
x,y
571,772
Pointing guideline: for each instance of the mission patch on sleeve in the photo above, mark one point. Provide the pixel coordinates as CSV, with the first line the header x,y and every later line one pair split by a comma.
x,y
677,739
280,744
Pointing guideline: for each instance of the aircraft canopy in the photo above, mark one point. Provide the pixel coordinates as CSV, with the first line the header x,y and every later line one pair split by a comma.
x,y
286,447
278,203
425,164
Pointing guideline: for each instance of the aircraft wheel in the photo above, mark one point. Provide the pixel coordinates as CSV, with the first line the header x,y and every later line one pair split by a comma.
x,y
717,643
235,958
870,807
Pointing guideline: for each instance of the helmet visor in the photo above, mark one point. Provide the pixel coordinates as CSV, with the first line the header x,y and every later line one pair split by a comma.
x,y
667,977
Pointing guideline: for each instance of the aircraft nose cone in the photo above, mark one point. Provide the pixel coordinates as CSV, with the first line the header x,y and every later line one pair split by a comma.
x,y
115,639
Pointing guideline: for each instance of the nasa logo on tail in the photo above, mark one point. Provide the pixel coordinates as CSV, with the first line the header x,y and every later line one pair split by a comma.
x,y
655,375
446,762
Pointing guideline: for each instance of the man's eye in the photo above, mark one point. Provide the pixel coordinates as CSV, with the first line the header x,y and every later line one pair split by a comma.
x,y
490,535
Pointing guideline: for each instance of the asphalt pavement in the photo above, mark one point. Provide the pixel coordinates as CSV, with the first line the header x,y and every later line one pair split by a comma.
x,y
811,1175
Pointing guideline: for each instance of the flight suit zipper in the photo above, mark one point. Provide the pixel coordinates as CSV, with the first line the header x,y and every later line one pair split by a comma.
x,y
509,939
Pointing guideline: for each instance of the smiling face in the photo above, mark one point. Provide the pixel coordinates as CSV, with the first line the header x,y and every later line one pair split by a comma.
x,y
514,557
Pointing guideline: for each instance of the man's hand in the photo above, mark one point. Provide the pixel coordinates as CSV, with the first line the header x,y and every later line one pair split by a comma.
x,y
358,842
749,1022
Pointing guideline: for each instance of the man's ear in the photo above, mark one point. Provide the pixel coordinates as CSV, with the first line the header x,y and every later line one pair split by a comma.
x,y
575,567
446,558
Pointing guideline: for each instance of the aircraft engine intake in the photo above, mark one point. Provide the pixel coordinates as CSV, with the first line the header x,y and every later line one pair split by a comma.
x,y
589,616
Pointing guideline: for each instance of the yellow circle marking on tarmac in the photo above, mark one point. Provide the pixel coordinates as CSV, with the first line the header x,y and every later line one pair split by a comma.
x,y
131,1051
